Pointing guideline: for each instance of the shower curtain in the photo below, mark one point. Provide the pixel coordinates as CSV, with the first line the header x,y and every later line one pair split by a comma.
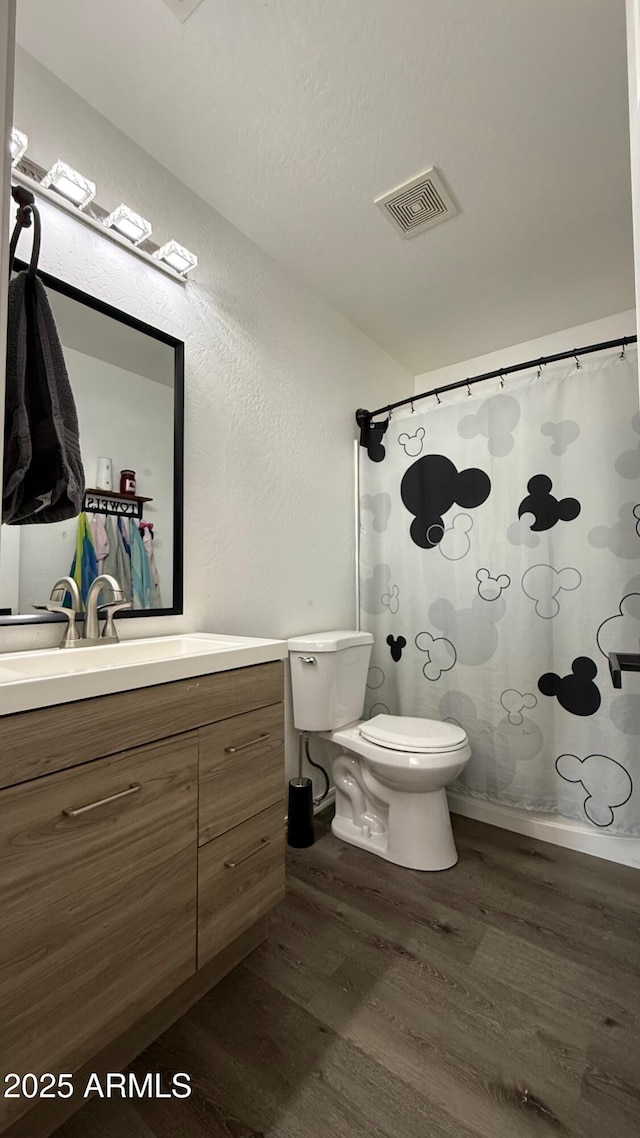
x,y
500,563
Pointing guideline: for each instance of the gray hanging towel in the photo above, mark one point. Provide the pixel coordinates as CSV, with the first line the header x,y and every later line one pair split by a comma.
x,y
43,473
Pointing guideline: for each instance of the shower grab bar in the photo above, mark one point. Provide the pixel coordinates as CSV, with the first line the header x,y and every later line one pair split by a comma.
x,y
620,662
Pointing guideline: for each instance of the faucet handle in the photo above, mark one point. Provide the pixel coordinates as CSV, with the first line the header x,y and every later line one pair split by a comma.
x,y
110,632
71,632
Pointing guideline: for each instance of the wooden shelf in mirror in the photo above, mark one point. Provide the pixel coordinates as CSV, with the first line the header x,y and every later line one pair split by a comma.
x,y
110,502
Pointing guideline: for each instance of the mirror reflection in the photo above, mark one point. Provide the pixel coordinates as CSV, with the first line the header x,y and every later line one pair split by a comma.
x,y
123,380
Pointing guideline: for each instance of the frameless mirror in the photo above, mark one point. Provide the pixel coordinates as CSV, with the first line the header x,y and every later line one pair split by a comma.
x,y
128,384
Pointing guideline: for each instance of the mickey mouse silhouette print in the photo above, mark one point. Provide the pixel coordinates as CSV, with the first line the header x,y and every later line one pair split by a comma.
x,y
396,646
431,486
577,693
546,509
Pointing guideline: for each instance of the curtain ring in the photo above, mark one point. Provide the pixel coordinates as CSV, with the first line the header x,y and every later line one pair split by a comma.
x,y
578,364
437,395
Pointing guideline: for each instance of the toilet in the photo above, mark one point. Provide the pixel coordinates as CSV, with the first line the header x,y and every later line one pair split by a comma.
x,y
392,770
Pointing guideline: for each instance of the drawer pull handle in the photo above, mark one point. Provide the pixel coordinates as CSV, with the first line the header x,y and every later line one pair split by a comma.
x,y
245,746
76,811
263,842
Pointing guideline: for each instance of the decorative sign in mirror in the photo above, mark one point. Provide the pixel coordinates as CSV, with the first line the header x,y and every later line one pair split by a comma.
x,y
128,385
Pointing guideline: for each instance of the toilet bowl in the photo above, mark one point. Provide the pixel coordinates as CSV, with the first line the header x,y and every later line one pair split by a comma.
x,y
393,801
391,771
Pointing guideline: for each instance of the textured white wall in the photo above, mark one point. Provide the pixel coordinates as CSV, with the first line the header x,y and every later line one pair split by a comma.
x,y
273,375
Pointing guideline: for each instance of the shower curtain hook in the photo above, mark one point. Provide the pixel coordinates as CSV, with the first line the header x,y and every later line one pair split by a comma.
x,y
437,395
501,380
623,353
539,370
413,410
578,364
468,388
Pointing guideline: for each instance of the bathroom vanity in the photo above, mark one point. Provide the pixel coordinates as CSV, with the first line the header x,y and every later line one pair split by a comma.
x,y
141,848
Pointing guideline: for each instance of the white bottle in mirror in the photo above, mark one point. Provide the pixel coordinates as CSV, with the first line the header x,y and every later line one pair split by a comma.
x,y
104,478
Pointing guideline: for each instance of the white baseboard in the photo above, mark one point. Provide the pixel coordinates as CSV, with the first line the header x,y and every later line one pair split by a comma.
x,y
549,828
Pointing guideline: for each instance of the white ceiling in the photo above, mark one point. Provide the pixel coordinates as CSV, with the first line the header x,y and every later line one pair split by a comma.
x,y
291,116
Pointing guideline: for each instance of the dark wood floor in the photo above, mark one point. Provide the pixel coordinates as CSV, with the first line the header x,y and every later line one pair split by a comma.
x,y
500,999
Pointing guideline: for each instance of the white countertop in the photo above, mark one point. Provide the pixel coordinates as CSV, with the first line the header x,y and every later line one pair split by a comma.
x,y
52,676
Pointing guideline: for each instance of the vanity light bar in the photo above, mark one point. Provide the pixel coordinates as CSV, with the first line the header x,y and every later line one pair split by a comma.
x,y
68,182
69,190
18,145
177,256
129,224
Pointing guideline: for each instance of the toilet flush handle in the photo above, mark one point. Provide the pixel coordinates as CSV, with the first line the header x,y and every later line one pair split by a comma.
x,y
307,659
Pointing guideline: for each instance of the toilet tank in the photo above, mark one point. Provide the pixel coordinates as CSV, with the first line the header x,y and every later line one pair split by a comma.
x,y
328,678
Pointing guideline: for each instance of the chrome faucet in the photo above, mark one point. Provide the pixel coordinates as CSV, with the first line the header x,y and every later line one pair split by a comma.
x,y
92,623
72,637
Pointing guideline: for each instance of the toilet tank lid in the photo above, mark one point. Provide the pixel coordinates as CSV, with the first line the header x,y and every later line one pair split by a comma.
x,y
329,641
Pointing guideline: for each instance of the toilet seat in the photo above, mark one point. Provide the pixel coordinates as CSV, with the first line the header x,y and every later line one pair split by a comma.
x,y
414,735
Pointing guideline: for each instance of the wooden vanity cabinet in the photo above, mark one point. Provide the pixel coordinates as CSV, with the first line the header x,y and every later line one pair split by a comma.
x,y
131,882
98,916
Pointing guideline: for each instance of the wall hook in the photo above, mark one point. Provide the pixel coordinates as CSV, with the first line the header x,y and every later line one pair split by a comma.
x,y
26,213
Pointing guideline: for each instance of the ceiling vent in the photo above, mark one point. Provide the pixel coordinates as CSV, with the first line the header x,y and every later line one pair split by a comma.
x,y
182,9
419,204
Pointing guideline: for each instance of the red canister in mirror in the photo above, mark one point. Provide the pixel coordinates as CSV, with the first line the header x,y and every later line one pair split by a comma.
x,y
127,481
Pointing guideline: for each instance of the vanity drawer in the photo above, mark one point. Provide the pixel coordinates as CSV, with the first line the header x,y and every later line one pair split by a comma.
x,y
241,769
240,877
98,903
74,733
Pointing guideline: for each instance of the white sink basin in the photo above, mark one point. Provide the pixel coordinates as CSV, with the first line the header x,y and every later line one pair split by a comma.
x,y
54,675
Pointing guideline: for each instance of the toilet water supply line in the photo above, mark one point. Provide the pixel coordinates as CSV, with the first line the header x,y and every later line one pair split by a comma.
x,y
303,749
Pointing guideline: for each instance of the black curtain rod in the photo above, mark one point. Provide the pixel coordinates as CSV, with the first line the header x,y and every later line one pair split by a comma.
x,y
363,417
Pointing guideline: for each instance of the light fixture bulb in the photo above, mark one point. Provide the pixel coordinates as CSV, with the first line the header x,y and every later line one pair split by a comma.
x,y
177,257
68,182
129,224
18,144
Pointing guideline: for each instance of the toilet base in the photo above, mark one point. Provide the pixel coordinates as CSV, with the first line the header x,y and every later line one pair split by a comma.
x,y
416,833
